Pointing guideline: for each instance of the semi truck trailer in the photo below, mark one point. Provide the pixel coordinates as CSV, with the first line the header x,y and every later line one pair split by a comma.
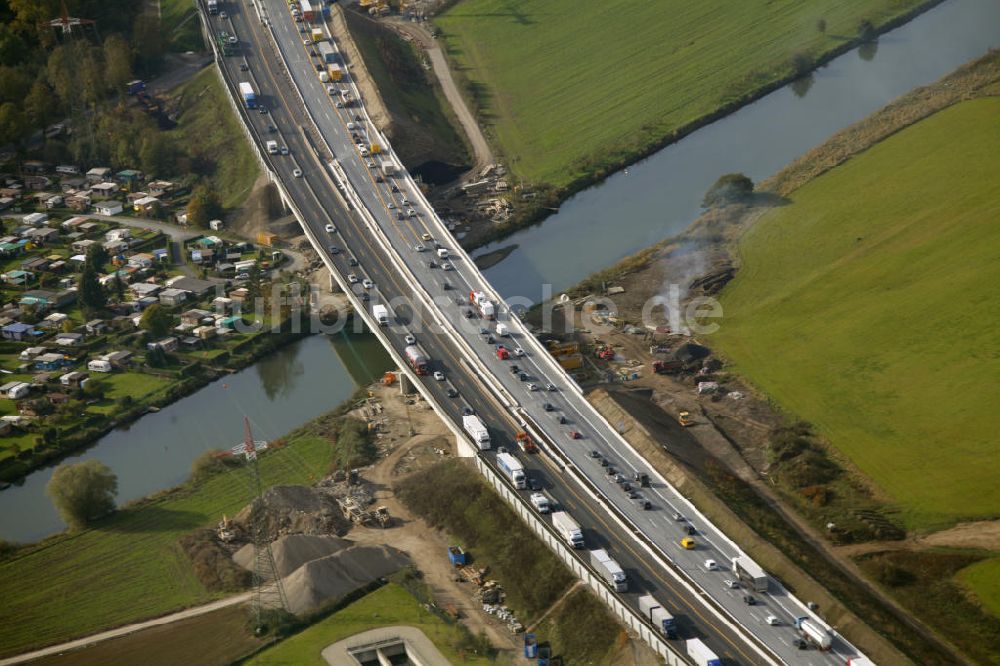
x,y
417,359
610,570
750,572
477,430
654,611
249,96
568,528
700,654
815,633
513,469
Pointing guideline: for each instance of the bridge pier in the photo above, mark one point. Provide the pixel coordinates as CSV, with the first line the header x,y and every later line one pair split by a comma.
x,y
334,285
405,384
464,448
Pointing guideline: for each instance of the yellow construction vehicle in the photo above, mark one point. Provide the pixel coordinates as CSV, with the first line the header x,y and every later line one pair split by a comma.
x,y
684,418
687,543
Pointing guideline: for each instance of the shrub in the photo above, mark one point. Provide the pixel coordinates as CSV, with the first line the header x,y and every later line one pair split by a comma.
x,y
212,563
729,188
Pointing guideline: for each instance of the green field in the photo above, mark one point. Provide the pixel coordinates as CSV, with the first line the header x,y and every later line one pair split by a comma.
x,y
129,567
983,580
389,605
569,88
867,307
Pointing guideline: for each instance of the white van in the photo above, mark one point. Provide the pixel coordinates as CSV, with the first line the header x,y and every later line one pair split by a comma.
x,y
324,77
443,253
272,147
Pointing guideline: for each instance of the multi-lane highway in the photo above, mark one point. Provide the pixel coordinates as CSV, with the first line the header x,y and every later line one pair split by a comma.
x,y
409,280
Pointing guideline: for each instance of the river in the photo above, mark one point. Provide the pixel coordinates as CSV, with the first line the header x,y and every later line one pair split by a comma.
x,y
278,393
661,195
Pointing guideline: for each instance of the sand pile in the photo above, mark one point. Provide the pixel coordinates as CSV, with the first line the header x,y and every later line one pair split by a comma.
x,y
336,575
292,551
295,510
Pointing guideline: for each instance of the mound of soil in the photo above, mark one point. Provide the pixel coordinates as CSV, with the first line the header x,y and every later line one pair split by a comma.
x,y
333,576
292,551
295,510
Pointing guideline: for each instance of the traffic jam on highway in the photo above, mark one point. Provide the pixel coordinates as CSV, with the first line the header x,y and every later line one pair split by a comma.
x,y
543,404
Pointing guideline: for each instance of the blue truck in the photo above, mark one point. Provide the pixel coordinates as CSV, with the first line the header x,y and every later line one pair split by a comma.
x,y
249,96
661,618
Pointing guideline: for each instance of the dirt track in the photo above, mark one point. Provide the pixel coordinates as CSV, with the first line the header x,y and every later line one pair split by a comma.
x,y
481,148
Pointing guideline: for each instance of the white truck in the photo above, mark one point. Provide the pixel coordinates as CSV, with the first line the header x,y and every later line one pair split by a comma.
x,y
485,306
272,147
513,469
654,611
388,167
815,633
540,502
502,330
568,528
609,569
700,654
381,314
477,431
750,572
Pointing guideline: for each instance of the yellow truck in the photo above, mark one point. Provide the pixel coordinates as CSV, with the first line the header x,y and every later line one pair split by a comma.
x,y
336,74
317,35
687,543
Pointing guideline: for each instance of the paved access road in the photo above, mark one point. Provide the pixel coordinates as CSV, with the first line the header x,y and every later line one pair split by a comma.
x,y
315,195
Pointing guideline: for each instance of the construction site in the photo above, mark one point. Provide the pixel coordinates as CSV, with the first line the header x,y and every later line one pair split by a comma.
x,y
310,546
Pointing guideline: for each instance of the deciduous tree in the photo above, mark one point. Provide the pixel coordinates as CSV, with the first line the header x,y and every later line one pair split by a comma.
x,y
83,492
157,320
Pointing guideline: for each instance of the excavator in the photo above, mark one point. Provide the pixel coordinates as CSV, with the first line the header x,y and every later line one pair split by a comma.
x,y
684,418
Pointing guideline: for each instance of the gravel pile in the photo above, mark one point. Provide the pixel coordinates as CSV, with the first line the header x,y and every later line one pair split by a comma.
x,y
331,577
292,551
295,510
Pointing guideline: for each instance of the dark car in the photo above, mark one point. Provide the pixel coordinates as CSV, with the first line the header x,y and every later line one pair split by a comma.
x,y
523,376
261,110
334,249
446,286
467,313
352,262
514,369
272,128
378,178
365,297
641,478
432,264
800,644
452,392
534,483
562,419
594,453
690,530
548,407
749,600
642,502
467,411
395,188
244,67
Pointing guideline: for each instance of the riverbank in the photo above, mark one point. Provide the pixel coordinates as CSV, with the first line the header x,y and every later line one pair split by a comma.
x,y
794,54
